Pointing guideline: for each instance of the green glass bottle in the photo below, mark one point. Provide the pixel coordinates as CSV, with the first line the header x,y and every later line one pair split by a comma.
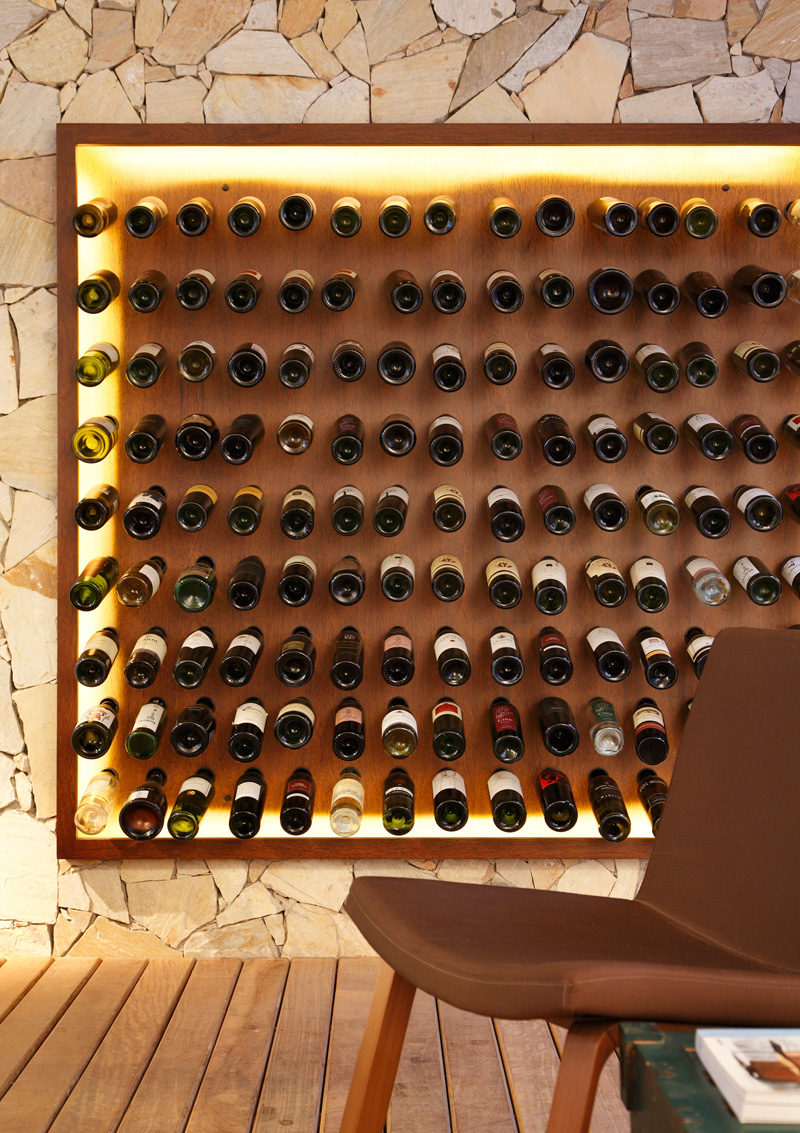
x,y
144,737
191,804
398,801
97,291
96,363
94,439
196,585
97,579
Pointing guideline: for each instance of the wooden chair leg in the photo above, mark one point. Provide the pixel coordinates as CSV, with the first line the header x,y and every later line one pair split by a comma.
x,y
379,1053
587,1046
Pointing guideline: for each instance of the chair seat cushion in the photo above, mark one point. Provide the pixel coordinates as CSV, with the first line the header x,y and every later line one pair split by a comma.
x,y
522,954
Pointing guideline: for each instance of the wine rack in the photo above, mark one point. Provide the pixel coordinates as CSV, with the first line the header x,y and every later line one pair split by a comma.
x,y
473,164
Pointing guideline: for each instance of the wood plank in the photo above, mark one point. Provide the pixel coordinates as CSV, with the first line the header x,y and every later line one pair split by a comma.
x,y
355,984
419,1099
101,1096
474,1073
609,1114
530,1060
39,1091
26,1027
166,1093
17,975
292,1092
232,1082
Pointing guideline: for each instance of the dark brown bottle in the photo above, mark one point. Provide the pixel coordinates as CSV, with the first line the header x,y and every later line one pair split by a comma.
x,y
555,660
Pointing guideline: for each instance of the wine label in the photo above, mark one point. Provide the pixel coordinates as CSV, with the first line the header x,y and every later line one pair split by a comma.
x,y
746,423
549,570
248,790
702,642
398,789
501,348
197,783
653,645
347,424
398,562
98,714
744,570
143,794
503,781
254,348
599,425
448,781
647,568
209,491
448,641
749,495
744,348
250,490
394,490
397,641
791,569
504,421
445,351
546,497
697,420
348,490
447,491
151,574
149,717
647,353
251,713
446,562
348,714
446,419
552,639
149,350
602,635
501,566
300,560
646,717
446,708
298,708
147,498
654,497
698,565
594,492
198,418
298,495
550,348
695,494
295,417
603,711
398,717
504,717
497,276
598,566
107,644
502,640
792,423
348,788
198,639
498,494
247,641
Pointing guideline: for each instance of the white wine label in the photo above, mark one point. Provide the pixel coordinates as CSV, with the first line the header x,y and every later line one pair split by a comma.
x,y
598,566
209,491
251,713
697,420
444,491
638,431
549,570
446,562
446,708
650,646
203,345
448,781
599,424
654,497
446,350
297,495
394,490
498,494
744,570
446,419
703,641
245,641
299,346
751,494
196,640
98,714
138,795
744,348
595,490
301,710
501,566
398,562
147,498
551,348
107,644
398,717
793,278
791,569
696,494
197,783
397,641
646,352
301,560
348,714
647,568
149,717
301,417
151,574
793,423
502,347
602,635
250,490
496,276
248,790
348,788
502,640
398,789
698,565
348,490
448,641
646,715
503,781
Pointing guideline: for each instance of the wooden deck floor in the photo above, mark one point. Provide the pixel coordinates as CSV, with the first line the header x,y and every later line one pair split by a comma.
x,y
225,1046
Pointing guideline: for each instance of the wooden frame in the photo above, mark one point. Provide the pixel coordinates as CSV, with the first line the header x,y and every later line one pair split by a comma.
x,y
717,162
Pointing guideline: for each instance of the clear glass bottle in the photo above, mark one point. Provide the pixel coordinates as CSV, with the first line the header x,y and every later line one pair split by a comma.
x,y
708,582
97,802
399,733
605,731
347,803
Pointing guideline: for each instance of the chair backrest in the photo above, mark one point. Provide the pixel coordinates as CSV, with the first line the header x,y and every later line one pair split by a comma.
x,y
726,861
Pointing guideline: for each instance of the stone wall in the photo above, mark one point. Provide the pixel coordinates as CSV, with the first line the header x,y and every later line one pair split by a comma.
x,y
312,61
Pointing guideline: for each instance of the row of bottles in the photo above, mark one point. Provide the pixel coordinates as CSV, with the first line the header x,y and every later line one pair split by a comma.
x,y
554,216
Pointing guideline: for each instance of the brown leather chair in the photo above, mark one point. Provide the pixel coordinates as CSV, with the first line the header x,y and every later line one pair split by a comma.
x,y
713,936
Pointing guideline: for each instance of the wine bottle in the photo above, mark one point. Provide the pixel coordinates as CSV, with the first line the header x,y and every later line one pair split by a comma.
x,y
556,290
606,360
504,218
506,293
762,288
656,367
195,289
247,807
656,292
506,800
296,584
96,507
758,443
790,572
194,799
659,511
440,215
146,365
245,511
649,582
450,809
557,724
554,367
347,510
347,581
144,737
97,579
244,291
245,217
294,723
556,799
445,440
613,216
758,217
399,733
655,433
397,577
652,792
143,515
142,815
96,728
791,356
610,656
405,293
606,507
699,218
605,581
346,216
143,443
659,217
338,293
556,439
194,728
297,512
605,732
140,582
246,430
758,582
549,579
294,665
144,218
650,732
196,585
96,363
390,512
194,510
708,582
558,515
146,658
449,371
710,299
397,435
555,216
660,671
708,435
608,805
555,661
504,583
347,664
505,664
196,436
398,802
297,807
97,291
347,446
449,740
97,657
196,362
610,291
394,217
712,518
449,510
241,657
452,658
94,439
295,291
247,366
247,730
608,441
146,292
97,802
397,664
194,658
94,217
499,363
506,520
194,217
246,583
757,361
447,578
699,364
347,803
348,729
508,744
698,646
762,511
396,364
448,293
295,366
